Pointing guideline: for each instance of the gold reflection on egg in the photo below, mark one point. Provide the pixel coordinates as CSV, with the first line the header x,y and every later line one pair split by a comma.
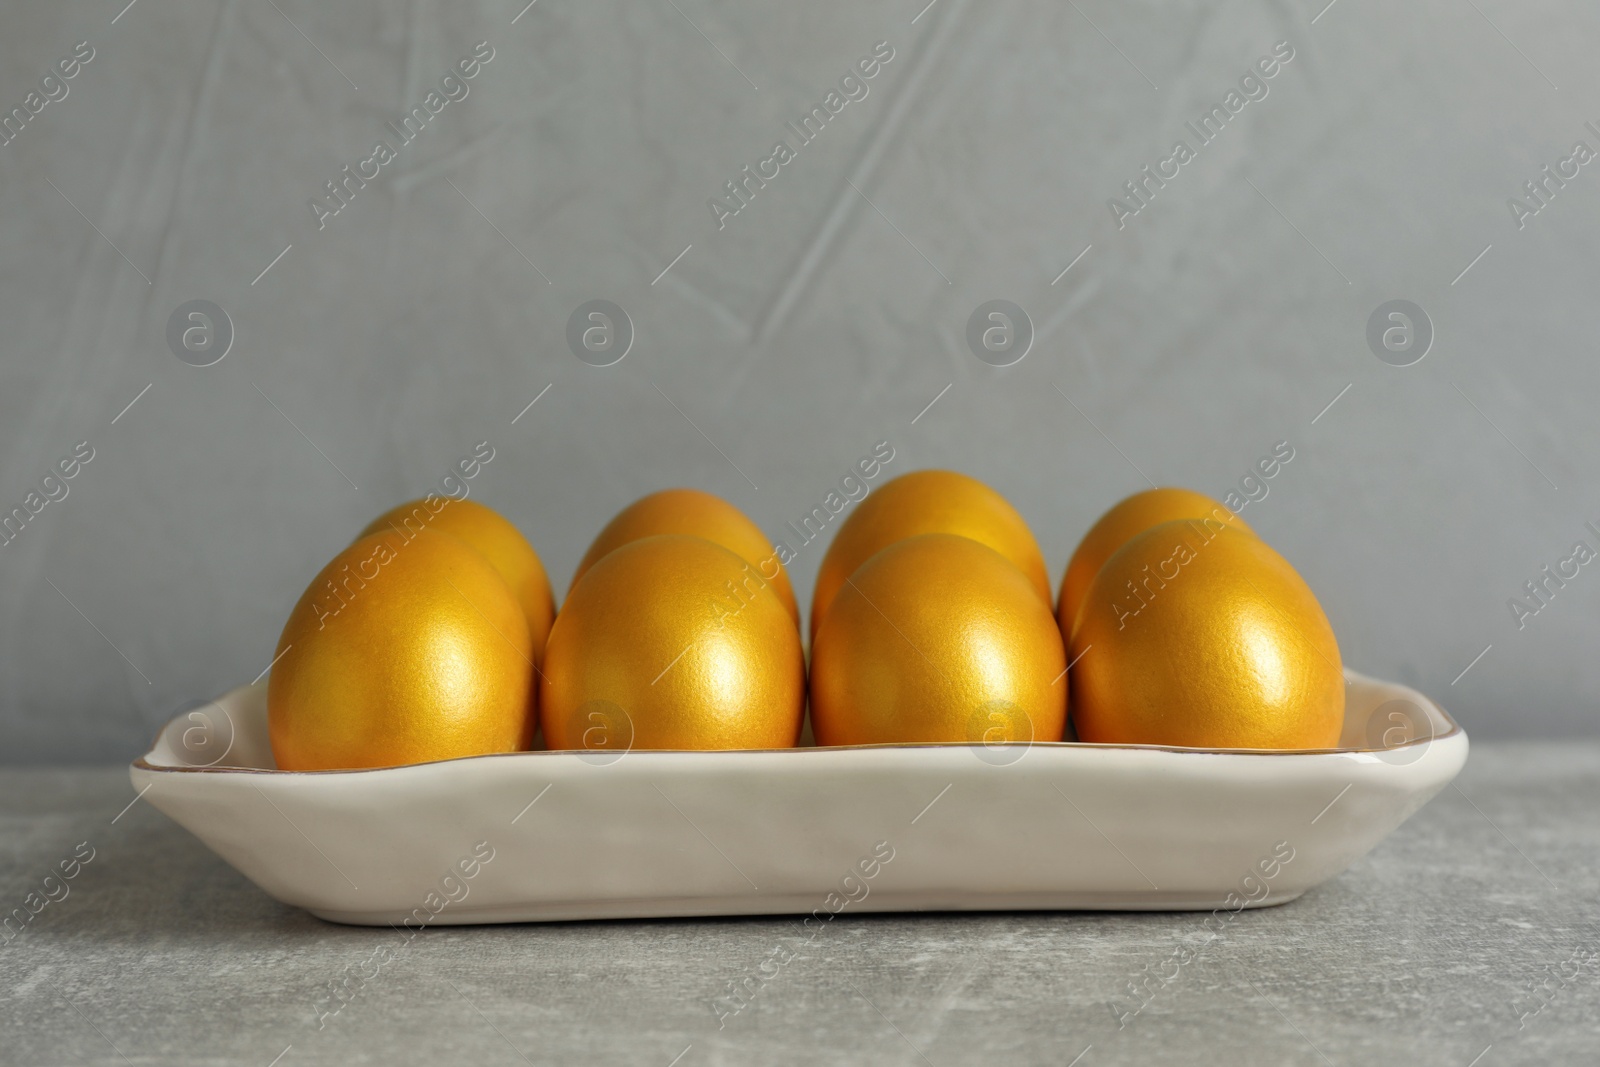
x,y
684,642
938,638
402,650
1198,634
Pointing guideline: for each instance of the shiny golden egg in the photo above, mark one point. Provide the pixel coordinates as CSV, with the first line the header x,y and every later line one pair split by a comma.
x,y
1199,636
695,514
938,638
501,543
1131,516
672,642
404,649
923,502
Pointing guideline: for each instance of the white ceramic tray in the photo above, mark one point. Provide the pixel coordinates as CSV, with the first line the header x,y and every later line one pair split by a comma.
x,y
559,835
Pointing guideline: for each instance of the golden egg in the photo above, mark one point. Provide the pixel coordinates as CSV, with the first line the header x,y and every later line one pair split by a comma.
x,y
923,502
1134,515
404,649
938,638
1205,637
501,543
672,642
695,514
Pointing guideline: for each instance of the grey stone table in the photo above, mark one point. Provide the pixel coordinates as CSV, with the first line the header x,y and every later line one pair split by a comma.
x,y
1468,938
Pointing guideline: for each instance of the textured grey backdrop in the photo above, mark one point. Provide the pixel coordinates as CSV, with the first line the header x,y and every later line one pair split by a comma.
x,y
825,316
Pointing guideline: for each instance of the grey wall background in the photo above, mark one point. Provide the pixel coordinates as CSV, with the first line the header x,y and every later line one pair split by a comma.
x,y
825,317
